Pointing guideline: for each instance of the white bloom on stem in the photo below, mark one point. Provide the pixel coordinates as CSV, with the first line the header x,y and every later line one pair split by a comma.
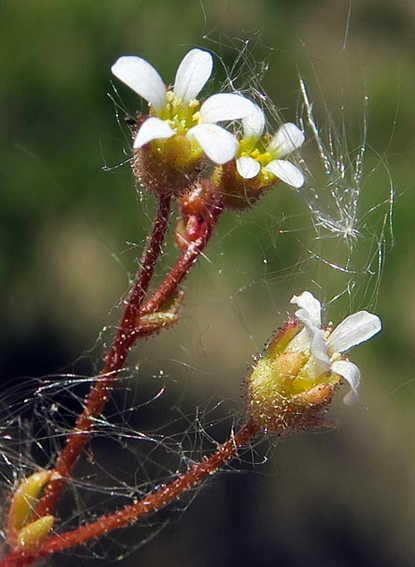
x,y
254,159
327,347
177,111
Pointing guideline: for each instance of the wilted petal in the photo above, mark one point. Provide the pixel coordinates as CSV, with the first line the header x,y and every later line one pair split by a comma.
x,y
193,73
248,167
142,78
254,124
351,373
226,106
287,172
288,138
355,329
218,144
310,309
152,129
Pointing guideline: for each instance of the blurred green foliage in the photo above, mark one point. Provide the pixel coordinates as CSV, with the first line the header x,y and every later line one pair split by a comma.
x,y
72,227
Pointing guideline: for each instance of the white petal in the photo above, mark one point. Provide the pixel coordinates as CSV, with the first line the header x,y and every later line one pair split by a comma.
x,y
319,347
152,129
254,124
288,138
248,167
193,74
287,172
355,329
226,106
142,78
310,312
351,373
218,144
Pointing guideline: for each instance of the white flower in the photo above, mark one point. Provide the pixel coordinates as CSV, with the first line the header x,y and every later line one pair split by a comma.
x,y
251,162
178,111
327,348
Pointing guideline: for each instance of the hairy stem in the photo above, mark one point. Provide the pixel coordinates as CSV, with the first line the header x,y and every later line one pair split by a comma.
x,y
128,333
129,514
169,285
124,340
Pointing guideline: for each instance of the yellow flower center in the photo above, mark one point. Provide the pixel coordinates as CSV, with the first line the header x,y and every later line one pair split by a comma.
x,y
253,148
180,115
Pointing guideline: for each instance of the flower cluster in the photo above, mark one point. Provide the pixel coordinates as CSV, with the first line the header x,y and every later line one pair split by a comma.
x,y
180,132
298,374
177,112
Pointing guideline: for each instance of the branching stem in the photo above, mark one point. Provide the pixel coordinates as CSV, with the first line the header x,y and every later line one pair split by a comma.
x,y
128,333
129,514
124,340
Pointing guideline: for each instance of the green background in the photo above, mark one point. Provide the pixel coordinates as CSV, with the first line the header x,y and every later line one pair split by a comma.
x,y
72,227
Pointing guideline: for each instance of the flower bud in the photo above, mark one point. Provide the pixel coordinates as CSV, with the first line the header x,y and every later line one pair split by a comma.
x,y
195,214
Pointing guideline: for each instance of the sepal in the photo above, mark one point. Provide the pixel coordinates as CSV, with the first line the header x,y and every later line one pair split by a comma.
x,y
32,535
167,316
23,529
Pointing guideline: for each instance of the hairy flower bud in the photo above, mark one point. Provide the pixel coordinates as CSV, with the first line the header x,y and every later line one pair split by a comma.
x,y
195,214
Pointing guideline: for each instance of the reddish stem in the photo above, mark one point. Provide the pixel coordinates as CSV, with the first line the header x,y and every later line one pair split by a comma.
x,y
124,340
169,285
128,333
155,501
